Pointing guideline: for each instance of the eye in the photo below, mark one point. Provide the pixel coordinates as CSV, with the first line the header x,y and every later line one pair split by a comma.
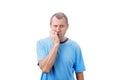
x,y
55,25
61,26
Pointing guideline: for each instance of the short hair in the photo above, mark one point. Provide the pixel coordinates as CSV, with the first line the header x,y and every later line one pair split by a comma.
x,y
59,15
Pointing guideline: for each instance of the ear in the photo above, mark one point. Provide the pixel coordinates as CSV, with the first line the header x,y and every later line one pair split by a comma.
x,y
67,26
50,26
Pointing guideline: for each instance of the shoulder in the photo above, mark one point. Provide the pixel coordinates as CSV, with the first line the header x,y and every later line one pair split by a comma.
x,y
44,40
73,43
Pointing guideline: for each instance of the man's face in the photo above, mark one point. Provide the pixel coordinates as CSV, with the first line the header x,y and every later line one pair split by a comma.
x,y
60,26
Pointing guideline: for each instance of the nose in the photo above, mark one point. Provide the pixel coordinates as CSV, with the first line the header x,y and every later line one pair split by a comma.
x,y
58,29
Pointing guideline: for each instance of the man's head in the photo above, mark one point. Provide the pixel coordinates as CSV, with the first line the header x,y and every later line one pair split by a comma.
x,y
59,24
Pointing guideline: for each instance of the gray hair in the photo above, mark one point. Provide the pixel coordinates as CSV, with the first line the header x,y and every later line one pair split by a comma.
x,y
59,15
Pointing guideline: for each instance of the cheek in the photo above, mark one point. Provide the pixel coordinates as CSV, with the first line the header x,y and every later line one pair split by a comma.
x,y
53,29
63,32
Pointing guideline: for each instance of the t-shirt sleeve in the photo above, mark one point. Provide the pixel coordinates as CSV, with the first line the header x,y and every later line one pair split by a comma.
x,y
41,54
79,62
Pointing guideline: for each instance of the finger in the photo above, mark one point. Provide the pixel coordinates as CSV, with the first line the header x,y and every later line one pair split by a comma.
x,y
55,33
52,32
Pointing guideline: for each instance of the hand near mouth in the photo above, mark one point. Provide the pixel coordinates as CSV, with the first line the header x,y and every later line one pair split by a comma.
x,y
54,36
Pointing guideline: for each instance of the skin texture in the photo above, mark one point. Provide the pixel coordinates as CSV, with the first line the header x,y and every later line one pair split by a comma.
x,y
57,35
59,26
79,76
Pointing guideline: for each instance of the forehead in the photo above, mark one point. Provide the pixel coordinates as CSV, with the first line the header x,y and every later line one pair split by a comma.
x,y
60,21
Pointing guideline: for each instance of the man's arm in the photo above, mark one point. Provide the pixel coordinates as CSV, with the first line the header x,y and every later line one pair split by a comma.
x,y
79,76
47,63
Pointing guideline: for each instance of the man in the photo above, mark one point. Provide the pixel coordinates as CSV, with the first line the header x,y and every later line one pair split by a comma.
x,y
58,56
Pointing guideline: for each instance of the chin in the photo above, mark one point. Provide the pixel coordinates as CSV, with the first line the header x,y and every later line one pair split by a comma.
x,y
61,37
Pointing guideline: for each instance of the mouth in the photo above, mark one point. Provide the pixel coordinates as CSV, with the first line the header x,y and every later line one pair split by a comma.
x,y
59,34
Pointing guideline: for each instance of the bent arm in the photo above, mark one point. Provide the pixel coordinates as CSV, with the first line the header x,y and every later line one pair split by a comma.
x,y
79,76
47,63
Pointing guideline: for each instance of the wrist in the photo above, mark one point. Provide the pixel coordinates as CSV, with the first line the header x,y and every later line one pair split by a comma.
x,y
56,44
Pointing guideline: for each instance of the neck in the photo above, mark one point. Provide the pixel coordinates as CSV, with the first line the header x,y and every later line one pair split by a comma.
x,y
63,39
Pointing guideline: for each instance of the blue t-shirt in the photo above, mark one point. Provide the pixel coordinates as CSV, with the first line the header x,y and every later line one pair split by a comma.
x,y
68,59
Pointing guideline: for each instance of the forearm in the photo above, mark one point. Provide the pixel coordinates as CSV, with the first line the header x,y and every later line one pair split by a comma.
x,y
80,76
47,63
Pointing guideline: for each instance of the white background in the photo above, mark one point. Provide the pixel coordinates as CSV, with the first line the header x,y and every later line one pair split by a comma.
x,y
94,24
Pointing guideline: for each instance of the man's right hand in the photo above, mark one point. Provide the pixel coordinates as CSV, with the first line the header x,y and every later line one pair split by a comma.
x,y
47,63
54,37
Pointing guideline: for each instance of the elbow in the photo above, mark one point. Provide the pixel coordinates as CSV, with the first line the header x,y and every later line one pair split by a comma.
x,y
44,69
